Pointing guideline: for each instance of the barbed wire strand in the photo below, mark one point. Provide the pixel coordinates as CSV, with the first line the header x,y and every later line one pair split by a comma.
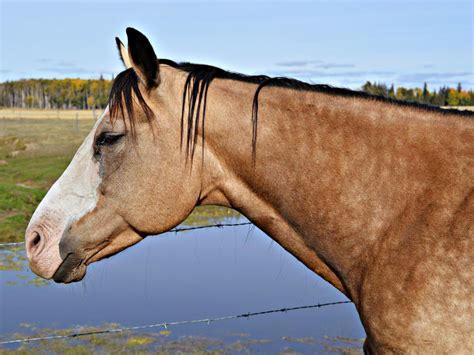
x,y
165,325
11,244
174,230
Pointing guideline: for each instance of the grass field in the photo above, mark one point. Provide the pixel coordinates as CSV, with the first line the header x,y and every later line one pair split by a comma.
x,y
33,154
17,113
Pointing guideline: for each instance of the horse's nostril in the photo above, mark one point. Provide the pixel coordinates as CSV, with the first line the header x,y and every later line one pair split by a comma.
x,y
36,239
33,243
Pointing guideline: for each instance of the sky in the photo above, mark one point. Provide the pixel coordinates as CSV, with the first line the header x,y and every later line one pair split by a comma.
x,y
342,43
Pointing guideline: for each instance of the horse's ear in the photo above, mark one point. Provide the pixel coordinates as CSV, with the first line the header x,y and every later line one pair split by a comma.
x,y
123,53
143,58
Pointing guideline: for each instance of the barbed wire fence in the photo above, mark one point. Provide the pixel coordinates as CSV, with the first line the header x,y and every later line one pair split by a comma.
x,y
165,325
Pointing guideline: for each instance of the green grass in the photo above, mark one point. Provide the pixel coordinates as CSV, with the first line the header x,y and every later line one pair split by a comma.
x,y
33,154
17,204
33,172
23,183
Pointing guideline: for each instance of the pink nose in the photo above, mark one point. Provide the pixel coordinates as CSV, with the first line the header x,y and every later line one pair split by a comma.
x,y
42,249
34,243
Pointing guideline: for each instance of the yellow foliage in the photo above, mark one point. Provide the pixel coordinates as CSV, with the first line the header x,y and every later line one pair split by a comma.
x,y
137,341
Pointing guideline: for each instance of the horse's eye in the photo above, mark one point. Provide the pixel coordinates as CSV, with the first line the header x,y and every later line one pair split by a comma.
x,y
107,138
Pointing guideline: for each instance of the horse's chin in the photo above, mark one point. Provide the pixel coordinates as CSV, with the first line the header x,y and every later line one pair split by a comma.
x,y
74,260
72,269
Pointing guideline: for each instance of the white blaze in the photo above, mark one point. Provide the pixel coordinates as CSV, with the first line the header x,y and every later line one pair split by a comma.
x,y
72,196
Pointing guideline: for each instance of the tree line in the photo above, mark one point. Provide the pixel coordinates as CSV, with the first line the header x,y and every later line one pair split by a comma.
x,y
89,93
445,96
55,93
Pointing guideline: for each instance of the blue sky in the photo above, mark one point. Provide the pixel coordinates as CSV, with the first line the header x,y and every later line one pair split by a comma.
x,y
343,43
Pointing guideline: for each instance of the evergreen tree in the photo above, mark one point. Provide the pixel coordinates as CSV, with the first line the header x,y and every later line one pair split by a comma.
x,y
391,91
426,93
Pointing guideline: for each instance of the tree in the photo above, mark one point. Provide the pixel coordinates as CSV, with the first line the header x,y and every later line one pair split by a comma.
x,y
391,91
47,93
452,97
426,93
90,102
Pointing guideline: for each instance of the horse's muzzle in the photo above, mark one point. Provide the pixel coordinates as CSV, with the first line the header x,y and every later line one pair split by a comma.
x,y
72,269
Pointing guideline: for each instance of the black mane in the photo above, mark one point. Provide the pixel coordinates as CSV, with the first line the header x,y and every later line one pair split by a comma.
x,y
197,84
295,84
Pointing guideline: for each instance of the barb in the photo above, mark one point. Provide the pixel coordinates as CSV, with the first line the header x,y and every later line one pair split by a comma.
x,y
167,324
174,230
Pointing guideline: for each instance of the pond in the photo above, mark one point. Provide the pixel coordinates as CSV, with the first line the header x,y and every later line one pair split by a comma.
x,y
197,274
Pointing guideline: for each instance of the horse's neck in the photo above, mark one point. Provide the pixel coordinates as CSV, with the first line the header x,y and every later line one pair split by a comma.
x,y
331,173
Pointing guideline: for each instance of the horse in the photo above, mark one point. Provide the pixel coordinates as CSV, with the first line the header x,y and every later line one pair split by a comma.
x,y
374,195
